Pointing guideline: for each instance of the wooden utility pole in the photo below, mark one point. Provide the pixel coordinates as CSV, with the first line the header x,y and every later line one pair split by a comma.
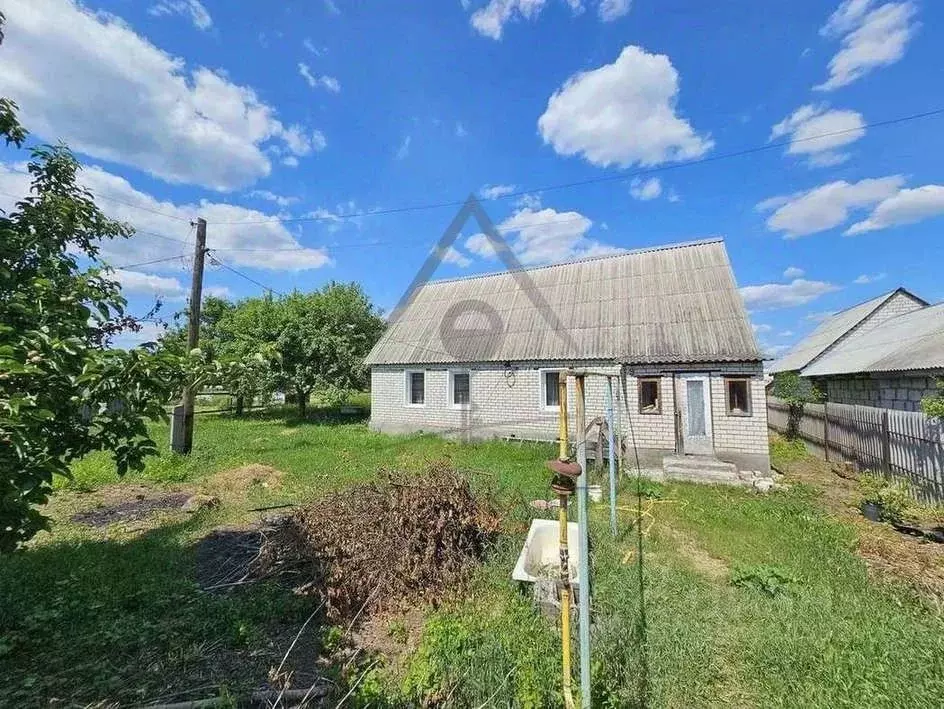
x,y
181,440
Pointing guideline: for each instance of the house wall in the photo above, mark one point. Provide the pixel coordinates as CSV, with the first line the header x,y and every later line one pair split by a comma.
x,y
888,391
508,403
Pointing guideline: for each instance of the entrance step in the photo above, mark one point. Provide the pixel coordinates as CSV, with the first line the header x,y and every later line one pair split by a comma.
x,y
699,469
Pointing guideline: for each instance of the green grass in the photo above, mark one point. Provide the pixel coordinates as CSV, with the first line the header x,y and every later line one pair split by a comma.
x,y
747,600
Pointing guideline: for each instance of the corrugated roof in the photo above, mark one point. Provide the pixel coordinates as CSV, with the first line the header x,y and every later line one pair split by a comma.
x,y
676,303
908,342
826,335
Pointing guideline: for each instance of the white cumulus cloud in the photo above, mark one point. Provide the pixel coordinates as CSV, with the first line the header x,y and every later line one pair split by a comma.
x,y
496,191
318,82
905,207
90,80
826,206
138,283
540,236
816,132
645,189
164,230
867,278
869,36
193,10
490,19
623,114
793,272
771,296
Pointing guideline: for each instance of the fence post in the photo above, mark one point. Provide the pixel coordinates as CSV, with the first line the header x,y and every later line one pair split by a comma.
x,y
886,444
826,430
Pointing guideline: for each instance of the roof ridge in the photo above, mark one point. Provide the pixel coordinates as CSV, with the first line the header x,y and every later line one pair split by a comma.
x,y
586,259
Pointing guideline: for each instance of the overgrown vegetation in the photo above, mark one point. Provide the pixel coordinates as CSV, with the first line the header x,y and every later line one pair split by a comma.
x,y
701,640
797,392
891,496
934,405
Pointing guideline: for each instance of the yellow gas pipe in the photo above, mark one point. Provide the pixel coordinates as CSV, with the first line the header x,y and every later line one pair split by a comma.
x,y
564,552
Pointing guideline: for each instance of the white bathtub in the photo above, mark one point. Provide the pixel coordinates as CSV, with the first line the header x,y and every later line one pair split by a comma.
x,y
540,555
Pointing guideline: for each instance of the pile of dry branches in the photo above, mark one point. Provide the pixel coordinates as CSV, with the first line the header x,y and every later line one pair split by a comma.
x,y
405,538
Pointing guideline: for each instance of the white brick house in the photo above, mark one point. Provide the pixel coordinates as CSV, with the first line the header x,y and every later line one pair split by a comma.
x,y
887,352
668,321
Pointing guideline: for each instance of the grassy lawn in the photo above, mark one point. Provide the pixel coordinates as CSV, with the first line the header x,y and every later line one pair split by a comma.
x,y
746,600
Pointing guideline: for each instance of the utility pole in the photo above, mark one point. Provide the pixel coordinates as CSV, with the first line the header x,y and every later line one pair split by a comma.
x,y
181,439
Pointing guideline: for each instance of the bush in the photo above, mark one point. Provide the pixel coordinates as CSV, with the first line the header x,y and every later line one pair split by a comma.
x,y
893,497
768,580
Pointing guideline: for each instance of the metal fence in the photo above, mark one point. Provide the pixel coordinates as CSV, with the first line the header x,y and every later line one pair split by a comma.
x,y
902,444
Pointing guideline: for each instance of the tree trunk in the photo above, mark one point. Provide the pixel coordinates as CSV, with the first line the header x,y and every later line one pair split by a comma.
x,y
302,403
240,402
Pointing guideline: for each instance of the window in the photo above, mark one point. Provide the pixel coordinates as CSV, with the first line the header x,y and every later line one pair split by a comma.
x,y
416,388
738,396
650,398
550,394
460,395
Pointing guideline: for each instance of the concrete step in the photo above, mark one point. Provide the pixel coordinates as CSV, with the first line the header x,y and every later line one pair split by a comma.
x,y
699,469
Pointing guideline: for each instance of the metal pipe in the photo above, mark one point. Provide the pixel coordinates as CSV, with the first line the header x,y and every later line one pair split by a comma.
x,y
584,535
563,451
564,548
612,453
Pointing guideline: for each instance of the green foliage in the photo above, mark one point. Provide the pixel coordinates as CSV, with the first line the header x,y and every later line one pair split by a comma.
x,y
934,405
498,647
786,450
763,578
797,392
63,394
299,344
893,497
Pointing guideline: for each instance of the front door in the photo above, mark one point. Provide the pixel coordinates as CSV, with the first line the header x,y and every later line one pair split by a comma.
x,y
696,415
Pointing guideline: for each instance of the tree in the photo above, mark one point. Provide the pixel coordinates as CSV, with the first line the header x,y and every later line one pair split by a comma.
x,y
62,392
797,393
934,405
323,339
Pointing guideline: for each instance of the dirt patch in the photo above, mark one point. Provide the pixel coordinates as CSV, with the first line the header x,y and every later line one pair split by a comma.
x,y
115,506
225,556
237,481
373,546
698,558
394,635
888,553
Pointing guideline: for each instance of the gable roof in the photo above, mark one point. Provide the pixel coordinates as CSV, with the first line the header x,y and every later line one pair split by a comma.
x,y
831,331
675,303
912,341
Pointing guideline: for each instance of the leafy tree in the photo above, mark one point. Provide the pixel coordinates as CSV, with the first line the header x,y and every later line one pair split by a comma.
x,y
934,405
796,392
323,339
62,392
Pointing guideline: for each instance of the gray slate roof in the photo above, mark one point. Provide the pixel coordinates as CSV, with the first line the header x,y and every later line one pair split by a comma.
x,y
914,341
675,303
826,335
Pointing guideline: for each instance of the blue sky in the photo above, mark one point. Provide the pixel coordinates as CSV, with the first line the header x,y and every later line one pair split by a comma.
x,y
286,124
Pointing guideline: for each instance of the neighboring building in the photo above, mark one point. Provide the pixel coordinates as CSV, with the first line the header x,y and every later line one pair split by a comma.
x,y
669,321
886,352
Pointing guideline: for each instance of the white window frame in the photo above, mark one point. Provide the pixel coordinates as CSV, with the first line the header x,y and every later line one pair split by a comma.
x,y
407,391
543,388
451,393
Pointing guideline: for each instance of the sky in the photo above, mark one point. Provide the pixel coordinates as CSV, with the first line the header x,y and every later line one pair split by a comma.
x,y
329,140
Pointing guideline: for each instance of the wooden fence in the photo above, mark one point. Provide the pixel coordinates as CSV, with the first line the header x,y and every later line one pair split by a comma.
x,y
901,444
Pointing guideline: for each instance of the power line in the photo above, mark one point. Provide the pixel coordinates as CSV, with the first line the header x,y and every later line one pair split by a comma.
x,y
215,260
148,263
597,180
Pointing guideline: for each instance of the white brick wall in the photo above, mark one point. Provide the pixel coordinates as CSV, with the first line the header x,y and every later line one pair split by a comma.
x,y
888,391
509,403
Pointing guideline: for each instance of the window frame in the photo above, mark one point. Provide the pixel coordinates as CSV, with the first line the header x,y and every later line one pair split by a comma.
x,y
451,393
543,372
747,391
408,387
658,409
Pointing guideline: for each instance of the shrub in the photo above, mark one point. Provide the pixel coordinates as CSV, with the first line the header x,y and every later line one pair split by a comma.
x,y
768,580
893,497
